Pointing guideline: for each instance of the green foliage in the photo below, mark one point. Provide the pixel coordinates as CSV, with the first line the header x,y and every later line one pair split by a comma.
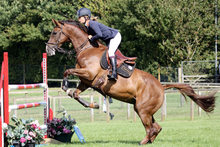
x,y
25,27
165,32
158,32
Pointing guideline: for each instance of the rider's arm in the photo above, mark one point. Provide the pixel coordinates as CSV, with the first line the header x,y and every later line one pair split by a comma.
x,y
97,30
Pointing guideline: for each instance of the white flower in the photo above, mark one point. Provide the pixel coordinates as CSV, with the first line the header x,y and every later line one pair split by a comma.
x,y
5,127
36,123
43,127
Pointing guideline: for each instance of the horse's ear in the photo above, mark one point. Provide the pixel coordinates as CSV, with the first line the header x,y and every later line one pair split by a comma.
x,y
56,22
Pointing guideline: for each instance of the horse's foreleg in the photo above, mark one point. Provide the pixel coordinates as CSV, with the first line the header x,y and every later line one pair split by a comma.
x,y
75,94
81,72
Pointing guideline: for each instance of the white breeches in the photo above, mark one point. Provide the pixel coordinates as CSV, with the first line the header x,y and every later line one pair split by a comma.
x,y
113,45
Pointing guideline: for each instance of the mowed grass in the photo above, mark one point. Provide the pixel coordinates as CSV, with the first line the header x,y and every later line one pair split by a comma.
x,y
178,129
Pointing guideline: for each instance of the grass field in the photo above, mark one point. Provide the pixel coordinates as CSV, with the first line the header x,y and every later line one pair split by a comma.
x,y
178,129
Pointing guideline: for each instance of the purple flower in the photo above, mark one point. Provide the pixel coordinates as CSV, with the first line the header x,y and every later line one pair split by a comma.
x,y
22,140
59,127
66,131
53,131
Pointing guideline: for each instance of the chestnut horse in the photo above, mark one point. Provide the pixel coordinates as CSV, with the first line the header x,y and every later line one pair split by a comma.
x,y
141,89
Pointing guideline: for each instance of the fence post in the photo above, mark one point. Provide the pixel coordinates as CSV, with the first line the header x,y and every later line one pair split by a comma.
x,y
54,106
135,116
158,70
92,110
14,102
59,101
191,110
180,80
199,108
100,104
107,109
164,108
128,111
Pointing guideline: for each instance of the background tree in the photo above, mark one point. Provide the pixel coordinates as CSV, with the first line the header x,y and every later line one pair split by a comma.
x,y
25,27
158,32
164,32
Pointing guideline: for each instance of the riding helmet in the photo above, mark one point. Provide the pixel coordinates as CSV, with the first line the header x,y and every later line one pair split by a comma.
x,y
83,12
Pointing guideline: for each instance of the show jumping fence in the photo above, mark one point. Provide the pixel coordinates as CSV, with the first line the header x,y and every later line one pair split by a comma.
x,y
5,87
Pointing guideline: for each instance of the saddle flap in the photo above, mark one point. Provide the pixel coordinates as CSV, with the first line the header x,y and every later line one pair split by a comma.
x,y
125,67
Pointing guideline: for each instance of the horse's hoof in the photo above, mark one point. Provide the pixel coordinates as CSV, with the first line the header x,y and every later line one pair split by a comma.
x,y
94,106
64,88
144,141
69,92
65,84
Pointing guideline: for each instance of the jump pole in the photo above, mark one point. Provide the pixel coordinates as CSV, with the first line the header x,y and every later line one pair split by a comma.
x,y
28,105
27,86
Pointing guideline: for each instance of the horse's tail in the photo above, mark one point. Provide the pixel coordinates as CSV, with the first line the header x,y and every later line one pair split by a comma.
x,y
207,103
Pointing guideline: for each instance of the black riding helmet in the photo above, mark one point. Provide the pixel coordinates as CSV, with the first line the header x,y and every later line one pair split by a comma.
x,y
84,12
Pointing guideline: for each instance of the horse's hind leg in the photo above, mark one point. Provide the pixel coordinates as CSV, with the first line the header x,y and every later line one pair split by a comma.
x,y
145,108
155,130
147,122
152,128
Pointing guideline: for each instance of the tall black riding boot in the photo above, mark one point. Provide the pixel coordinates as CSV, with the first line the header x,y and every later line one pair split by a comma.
x,y
114,69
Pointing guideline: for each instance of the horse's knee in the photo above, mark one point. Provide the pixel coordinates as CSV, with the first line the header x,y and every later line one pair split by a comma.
x,y
66,73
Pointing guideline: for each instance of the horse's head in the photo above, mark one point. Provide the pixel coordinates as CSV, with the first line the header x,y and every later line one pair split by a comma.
x,y
57,38
69,30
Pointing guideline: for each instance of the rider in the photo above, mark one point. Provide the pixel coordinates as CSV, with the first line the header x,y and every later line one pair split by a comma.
x,y
96,31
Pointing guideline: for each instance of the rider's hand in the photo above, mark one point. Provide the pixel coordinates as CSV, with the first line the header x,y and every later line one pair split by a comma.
x,y
90,36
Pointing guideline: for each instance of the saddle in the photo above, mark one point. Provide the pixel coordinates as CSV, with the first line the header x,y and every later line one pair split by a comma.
x,y
125,65
121,58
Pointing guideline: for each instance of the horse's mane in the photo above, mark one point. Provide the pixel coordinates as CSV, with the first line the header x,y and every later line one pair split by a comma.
x,y
75,23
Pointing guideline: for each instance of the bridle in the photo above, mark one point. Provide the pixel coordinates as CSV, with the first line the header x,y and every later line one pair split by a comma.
x,y
62,50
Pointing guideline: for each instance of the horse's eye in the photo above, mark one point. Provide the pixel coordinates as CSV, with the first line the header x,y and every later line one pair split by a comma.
x,y
54,33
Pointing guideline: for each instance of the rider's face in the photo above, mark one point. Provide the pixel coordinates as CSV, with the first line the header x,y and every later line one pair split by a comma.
x,y
81,19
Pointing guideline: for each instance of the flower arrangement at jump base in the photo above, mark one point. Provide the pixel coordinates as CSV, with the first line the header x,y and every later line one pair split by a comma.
x,y
62,128
24,132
